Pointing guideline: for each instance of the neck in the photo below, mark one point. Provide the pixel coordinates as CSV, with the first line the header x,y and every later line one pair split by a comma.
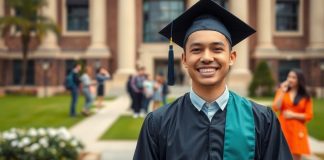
x,y
209,93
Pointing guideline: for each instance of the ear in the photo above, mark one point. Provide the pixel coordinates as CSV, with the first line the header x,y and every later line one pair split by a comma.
x,y
184,60
232,57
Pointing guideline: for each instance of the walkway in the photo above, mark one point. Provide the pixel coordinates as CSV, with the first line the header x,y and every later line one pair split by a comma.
x,y
90,130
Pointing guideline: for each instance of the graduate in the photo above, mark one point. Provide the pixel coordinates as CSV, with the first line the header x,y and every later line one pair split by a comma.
x,y
210,122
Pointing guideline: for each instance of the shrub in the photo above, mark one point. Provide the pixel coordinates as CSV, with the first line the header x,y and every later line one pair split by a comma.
x,y
262,83
42,143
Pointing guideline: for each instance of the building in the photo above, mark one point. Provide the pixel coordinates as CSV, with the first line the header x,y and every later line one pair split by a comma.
x,y
120,34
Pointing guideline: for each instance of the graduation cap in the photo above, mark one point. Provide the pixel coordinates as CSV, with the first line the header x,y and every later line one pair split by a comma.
x,y
204,15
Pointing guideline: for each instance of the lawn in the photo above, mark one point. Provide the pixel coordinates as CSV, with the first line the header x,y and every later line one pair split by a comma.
x,y
125,128
315,126
29,111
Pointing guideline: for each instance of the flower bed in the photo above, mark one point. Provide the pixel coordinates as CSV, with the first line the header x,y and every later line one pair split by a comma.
x,y
42,143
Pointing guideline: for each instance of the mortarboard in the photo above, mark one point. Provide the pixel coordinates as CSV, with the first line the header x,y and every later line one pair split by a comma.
x,y
204,15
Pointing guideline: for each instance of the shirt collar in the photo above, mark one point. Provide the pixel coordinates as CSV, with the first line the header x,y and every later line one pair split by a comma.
x,y
198,102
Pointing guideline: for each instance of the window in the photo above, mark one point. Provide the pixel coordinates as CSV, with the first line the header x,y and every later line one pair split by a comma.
x,y
287,15
285,66
157,14
17,72
77,15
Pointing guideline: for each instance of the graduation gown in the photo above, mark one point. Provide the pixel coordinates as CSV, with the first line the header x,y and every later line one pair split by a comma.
x,y
179,131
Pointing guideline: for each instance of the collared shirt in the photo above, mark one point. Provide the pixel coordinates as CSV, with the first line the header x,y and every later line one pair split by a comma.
x,y
209,108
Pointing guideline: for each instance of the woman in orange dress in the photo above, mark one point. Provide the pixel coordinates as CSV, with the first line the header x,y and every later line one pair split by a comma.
x,y
295,107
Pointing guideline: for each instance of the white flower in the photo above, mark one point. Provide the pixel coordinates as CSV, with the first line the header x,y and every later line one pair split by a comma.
x,y
74,143
14,143
41,131
20,145
34,147
62,144
25,141
52,132
32,132
44,142
64,134
9,136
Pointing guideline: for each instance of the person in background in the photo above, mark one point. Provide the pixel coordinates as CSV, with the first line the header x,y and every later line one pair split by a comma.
x,y
137,87
148,93
158,91
88,90
295,106
74,87
130,92
101,77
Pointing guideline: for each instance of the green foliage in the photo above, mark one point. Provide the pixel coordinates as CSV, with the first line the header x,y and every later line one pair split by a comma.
x,y
28,21
262,83
42,143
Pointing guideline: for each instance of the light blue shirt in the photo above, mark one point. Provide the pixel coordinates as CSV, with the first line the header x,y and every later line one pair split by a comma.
x,y
209,108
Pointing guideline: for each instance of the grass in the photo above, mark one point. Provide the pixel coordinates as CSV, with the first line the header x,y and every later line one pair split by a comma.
x,y
315,126
28,111
125,128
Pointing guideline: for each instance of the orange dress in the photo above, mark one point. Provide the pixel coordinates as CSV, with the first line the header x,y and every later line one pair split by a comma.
x,y
295,130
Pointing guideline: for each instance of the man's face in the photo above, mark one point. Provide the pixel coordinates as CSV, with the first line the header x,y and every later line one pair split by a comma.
x,y
207,58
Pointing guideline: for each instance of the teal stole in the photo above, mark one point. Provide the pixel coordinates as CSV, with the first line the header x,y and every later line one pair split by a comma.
x,y
239,142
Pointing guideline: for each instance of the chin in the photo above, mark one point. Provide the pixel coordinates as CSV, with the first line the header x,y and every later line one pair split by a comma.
x,y
207,82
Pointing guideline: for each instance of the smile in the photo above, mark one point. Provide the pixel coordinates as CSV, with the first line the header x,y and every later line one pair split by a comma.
x,y
207,71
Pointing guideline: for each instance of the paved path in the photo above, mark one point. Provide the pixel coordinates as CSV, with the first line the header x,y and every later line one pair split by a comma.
x,y
90,130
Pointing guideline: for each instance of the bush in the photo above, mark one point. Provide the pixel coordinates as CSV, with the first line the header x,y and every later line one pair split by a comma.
x,y
34,144
262,83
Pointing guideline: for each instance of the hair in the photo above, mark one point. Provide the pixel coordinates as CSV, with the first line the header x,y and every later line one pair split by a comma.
x,y
98,69
301,87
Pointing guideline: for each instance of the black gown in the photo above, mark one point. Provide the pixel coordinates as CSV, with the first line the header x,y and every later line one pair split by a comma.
x,y
180,132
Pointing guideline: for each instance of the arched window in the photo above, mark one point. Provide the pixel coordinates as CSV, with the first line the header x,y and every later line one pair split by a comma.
x,y
157,14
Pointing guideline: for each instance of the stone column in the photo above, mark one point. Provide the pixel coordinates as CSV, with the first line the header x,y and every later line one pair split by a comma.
x,y
191,2
126,40
240,75
2,13
98,29
49,42
316,25
264,27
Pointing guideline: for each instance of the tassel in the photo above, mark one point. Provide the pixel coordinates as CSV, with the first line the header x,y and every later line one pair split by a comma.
x,y
171,64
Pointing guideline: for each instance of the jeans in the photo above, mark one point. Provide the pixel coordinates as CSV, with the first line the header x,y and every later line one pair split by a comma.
x,y
88,98
146,103
74,96
164,100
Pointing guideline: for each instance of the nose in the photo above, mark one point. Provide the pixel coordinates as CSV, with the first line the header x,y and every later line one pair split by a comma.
x,y
206,57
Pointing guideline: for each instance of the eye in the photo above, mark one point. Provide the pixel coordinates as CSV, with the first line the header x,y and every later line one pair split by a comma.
x,y
217,49
195,50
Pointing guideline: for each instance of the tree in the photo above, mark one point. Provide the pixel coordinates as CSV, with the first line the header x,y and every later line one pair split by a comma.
x,y
262,83
28,22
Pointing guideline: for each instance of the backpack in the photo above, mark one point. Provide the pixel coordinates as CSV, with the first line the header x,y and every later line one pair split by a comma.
x,y
68,83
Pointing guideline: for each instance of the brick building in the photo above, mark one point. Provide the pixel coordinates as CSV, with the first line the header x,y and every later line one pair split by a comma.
x,y
120,34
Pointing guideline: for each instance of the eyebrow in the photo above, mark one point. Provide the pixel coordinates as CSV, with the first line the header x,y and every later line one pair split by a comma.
x,y
213,43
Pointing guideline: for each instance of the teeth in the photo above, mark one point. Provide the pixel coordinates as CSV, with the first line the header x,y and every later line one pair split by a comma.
x,y
206,70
